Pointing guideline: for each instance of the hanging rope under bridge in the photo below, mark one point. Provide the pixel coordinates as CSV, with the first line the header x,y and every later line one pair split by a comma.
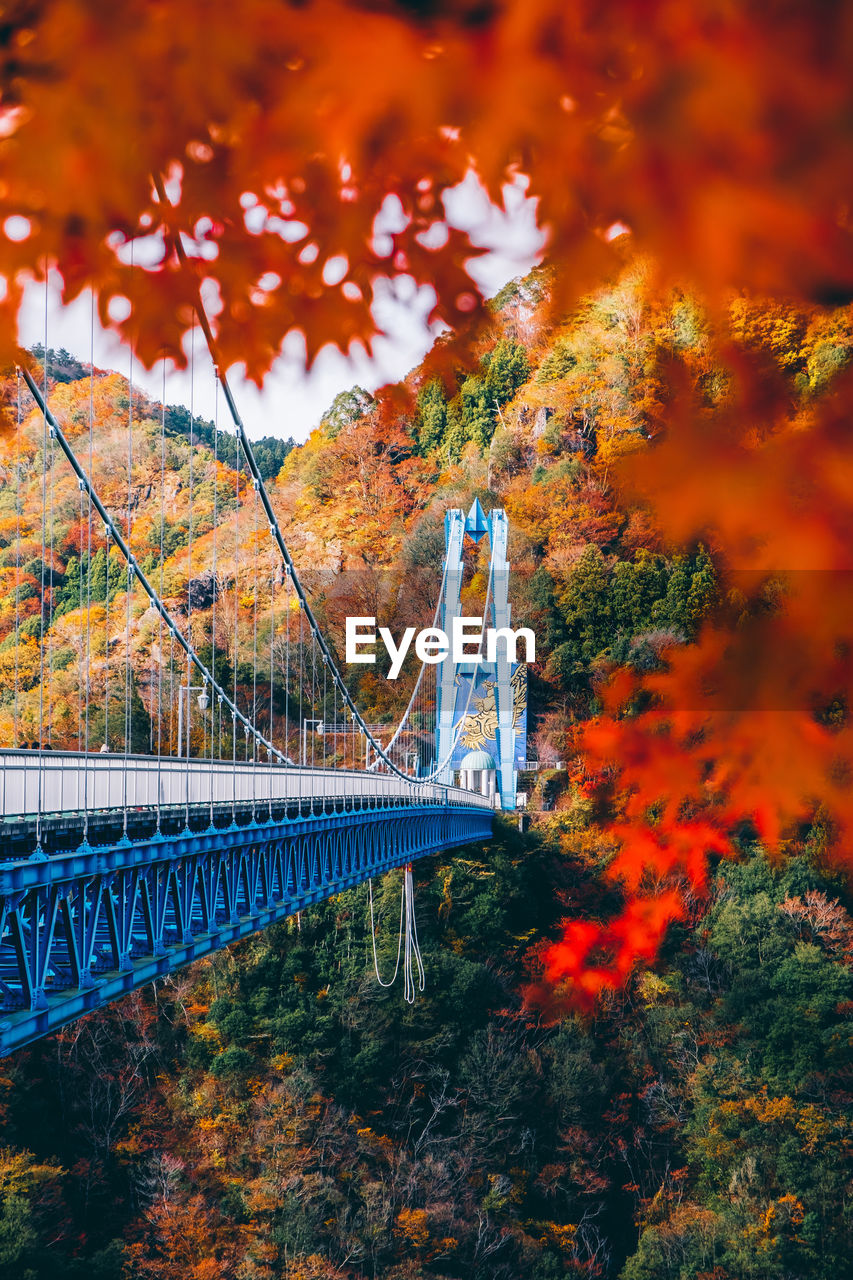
x,y
407,941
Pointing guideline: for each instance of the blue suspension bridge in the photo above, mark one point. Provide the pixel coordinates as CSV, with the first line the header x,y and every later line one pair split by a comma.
x,y
120,866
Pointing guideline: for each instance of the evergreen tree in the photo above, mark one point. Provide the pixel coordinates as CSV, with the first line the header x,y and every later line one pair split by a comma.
x,y
67,597
507,368
703,591
586,605
107,565
110,724
690,593
346,408
637,585
478,415
471,415
431,418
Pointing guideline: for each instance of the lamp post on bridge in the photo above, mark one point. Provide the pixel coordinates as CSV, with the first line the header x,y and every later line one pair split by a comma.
x,y
319,729
202,701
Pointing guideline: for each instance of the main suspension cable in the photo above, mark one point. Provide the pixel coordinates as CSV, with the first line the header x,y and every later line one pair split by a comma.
x,y
161,662
15,740
129,568
255,475
114,532
89,566
42,584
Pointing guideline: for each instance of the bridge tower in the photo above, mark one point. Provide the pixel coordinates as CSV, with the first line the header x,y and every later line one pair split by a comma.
x,y
478,525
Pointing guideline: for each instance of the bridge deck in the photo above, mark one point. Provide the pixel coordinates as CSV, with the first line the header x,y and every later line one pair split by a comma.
x,y
199,858
71,782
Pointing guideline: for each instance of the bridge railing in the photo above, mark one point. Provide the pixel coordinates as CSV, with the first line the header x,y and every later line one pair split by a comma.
x,y
74,782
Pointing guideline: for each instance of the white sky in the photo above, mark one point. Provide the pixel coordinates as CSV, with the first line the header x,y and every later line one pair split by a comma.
x,y
292,401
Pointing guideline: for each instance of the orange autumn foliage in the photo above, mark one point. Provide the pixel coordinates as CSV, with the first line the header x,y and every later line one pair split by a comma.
x,y
751,722
715,132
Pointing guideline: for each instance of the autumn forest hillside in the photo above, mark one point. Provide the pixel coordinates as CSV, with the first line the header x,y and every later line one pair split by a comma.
x,y
631,1059
547,418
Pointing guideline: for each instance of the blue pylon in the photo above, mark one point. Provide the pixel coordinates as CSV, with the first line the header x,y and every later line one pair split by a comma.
x,y
478,525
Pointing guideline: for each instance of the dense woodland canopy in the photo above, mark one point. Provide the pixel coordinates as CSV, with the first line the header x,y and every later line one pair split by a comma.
x,y
633,1055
